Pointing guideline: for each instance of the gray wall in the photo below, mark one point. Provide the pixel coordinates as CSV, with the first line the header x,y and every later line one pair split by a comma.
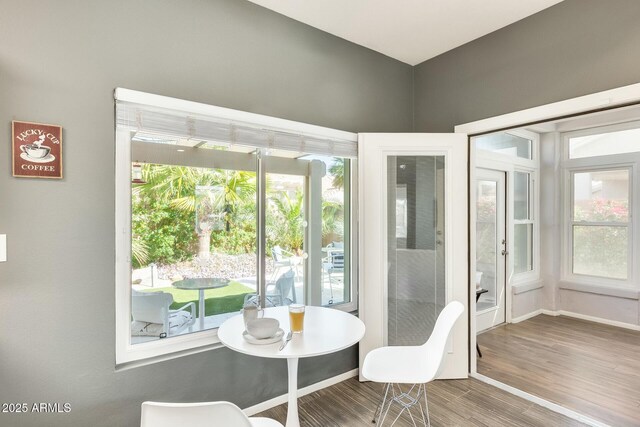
x,y
59,63
571,49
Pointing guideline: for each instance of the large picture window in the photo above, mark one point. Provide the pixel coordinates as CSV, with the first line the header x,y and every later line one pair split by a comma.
x,y
600,223
218,209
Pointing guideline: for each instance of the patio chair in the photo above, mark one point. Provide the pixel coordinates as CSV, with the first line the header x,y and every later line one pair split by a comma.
x,y
413,365
333,263
281,259
153,317
282,292
202,414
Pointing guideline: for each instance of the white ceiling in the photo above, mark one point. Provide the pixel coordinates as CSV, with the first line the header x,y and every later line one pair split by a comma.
x,y
411,31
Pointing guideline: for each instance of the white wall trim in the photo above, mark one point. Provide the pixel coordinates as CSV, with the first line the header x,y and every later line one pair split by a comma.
x,y
556,313
610,291
526,316
592,319
539,401
604,99
271,403
521,288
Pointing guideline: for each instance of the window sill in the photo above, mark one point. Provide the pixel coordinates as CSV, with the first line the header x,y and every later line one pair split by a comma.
x,y
626,292
138,361
164,357
521,288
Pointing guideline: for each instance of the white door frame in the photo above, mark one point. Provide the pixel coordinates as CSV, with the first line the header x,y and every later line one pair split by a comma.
x,y
373,251
575,106
502,203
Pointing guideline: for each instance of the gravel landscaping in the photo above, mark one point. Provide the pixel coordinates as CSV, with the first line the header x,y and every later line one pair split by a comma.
x,y
218,265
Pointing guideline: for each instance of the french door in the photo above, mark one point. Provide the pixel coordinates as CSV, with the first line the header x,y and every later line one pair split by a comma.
x,y
491,248
413,240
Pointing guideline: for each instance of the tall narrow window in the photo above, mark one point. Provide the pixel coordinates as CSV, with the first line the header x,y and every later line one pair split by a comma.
x,y
523,242
600,223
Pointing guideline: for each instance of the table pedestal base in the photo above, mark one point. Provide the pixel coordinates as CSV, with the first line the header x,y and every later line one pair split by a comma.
x,y
201,308
292,407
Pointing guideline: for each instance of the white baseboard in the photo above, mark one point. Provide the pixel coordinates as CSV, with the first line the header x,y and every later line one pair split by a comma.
x,y
550,312
526,316
268,404
577,316
539,401
593,319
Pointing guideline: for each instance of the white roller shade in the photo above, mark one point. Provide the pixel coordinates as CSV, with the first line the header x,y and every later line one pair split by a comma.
x,y
154,114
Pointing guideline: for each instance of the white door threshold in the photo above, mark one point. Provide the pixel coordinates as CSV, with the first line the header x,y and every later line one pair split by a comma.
x,y
540,401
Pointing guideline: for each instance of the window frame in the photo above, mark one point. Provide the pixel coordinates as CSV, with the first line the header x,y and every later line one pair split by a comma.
x,y
569,223
128,354
630,161
484,156
510,165
610,128
534,273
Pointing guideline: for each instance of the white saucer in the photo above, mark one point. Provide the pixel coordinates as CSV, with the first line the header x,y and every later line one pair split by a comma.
x,y
46,159
253,340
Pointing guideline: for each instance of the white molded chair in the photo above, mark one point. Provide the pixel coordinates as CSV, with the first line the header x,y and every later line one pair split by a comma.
x,y
152,316
201,414
413,365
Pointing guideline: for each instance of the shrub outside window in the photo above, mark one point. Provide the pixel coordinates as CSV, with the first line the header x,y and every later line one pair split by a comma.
x,y
600,223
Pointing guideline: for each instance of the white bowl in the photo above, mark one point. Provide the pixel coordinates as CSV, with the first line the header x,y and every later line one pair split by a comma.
x,y
263,328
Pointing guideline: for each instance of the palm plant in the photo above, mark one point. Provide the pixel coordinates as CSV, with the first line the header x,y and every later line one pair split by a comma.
x,y
337,171
332,218
286,221
176,186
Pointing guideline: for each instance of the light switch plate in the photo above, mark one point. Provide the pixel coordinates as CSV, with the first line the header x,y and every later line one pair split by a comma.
x,y
3,247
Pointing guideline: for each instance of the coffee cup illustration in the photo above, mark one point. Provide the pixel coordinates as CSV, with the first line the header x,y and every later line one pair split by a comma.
x,y
34,151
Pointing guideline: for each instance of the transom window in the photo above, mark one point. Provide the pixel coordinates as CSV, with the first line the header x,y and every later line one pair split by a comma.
x,y
505,143
617,139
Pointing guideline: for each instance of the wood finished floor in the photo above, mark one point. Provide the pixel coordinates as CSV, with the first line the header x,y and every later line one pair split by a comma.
x,y
451,403
591,368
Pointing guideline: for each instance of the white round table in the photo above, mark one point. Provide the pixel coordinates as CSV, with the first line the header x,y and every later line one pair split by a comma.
x,y
326,331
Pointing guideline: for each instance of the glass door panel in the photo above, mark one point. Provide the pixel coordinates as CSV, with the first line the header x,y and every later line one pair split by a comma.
x,y
285,247
486,242
491,248
415,247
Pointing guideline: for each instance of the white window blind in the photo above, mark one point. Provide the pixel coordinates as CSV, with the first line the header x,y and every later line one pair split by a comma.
x,y
209,123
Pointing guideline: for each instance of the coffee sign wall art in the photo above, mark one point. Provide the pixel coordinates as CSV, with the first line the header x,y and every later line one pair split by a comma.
x,y
37,150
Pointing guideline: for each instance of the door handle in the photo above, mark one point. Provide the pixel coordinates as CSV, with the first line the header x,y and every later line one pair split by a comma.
x,y
505,252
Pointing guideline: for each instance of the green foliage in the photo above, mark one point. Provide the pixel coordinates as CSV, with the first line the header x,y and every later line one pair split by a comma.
x,y
337,172
601,250
332,218
285,221
164,213
166,233
600,210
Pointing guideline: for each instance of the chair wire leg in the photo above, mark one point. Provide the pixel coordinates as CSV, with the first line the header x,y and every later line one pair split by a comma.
x,y
381,404
391,399
426,403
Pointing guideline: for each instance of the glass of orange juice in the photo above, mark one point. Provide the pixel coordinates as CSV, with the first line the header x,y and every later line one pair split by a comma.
x,y
296,318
